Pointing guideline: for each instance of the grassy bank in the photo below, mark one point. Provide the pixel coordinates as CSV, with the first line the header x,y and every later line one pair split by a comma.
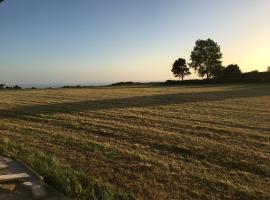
x,y
188,142
67,180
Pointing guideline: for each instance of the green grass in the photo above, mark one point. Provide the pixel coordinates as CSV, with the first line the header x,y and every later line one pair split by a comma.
x,y
145,142
71,182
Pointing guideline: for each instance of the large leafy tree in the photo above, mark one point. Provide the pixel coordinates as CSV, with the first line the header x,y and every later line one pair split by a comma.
x,y
180,68
206,58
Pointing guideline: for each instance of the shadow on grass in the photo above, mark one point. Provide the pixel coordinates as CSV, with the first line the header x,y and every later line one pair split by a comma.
x,y
136,101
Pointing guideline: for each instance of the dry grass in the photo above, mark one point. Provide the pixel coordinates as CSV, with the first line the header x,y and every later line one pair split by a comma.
x,y
209,142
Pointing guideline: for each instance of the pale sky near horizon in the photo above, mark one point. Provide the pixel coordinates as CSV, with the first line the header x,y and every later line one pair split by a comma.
x,y
84,41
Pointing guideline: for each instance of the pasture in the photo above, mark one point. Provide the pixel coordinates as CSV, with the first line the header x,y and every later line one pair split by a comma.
x,y
144,142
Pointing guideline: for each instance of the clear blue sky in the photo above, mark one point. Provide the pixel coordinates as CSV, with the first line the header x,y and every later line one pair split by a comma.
x,y
80,41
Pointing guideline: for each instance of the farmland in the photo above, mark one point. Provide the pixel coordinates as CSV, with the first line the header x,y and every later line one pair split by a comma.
x,y
144,142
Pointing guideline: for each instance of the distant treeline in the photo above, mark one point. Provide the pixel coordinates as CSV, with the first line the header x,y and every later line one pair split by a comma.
x,y
206,61
72,86
249,77
5,87
128,83
77,86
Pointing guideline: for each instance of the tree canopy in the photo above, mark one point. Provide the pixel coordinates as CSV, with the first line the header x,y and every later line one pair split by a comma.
x,y
232,71
180,68
206,58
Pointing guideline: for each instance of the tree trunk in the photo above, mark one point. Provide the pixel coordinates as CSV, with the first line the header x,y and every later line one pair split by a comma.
x,y
182,78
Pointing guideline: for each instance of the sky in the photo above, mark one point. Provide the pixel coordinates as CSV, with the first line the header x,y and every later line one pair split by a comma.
x,y
87,41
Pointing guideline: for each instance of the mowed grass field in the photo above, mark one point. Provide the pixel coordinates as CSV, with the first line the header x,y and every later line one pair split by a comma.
x,y
145,142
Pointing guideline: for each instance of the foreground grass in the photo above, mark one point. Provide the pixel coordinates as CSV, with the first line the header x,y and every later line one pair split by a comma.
x,y
71,182
210,142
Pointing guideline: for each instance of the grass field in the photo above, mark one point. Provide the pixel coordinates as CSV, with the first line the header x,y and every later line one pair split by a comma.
x,y
147,142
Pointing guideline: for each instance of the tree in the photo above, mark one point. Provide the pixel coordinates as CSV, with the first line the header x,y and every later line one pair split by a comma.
x,y
206,58
218,72
268,69
180,68
16,87
232,71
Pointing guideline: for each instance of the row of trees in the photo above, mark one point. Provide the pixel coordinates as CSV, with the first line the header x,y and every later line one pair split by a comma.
x,y
206,61
16,87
